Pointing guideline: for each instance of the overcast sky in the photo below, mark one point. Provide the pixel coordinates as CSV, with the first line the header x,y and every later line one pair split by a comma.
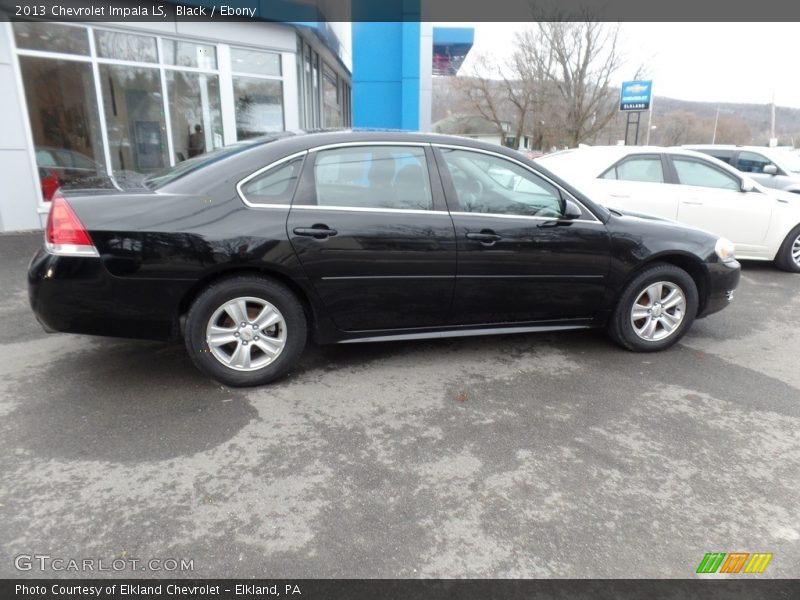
x,y
715,62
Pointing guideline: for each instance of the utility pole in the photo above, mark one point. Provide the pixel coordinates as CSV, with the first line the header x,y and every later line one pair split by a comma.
x,y
716,120
649,120
772,140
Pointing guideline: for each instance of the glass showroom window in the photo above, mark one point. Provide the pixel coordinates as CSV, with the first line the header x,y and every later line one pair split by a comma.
x,y
258,92
135,123
194,102
64,121
126,46
330,96
62,104
52,37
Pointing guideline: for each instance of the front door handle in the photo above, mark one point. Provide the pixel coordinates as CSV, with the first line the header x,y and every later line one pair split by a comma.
x,y
693,202
318,231
485,236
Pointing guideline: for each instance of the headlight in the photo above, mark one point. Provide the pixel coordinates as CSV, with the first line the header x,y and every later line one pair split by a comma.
x,y
725,249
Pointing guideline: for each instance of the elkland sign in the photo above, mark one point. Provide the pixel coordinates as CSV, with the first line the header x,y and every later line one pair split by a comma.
x,y
635,95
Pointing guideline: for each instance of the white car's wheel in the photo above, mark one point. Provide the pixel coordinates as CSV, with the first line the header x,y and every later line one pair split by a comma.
x,y
788,257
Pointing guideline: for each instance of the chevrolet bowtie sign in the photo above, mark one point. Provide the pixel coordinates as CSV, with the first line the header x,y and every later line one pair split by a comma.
x,y
635,95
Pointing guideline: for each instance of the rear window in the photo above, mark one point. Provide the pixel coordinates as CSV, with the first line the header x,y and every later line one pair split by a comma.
x,y
170,174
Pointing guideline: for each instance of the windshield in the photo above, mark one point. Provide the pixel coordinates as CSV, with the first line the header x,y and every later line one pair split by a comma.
x,y
170,174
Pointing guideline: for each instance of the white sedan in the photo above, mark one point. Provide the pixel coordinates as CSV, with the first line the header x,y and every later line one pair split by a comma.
x,y
692,188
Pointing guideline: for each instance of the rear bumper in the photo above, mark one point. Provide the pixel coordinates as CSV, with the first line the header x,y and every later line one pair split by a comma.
x,y
78,295
723,279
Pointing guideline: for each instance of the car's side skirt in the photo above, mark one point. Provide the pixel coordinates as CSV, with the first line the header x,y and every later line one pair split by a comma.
x,y
450,333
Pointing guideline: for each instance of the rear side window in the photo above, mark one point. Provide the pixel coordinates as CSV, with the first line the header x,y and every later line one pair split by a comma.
x,y
723,155
694,172
274,186
641,168
393,177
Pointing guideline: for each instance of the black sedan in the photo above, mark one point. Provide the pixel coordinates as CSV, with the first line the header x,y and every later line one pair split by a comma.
x,y
364,236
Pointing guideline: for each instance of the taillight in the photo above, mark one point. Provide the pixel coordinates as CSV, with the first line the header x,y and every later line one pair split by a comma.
x,y
65,234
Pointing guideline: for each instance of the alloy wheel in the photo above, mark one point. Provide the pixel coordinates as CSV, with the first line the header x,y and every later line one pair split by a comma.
x,y
658,311
246,334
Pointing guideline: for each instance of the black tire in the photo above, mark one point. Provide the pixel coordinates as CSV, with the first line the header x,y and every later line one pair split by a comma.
x,y
293,328
784,259
621,328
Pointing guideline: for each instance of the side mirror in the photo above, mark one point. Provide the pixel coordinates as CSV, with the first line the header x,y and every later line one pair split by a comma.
x,y
571,211
747,185
770,169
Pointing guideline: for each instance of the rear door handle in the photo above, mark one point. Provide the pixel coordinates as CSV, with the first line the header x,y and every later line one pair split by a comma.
x,y
318,231
693,202
619,196
485,236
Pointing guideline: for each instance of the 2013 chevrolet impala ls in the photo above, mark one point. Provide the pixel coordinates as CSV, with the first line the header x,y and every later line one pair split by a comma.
x,y
364,236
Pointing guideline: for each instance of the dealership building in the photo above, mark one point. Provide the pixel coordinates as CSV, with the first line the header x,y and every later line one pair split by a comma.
x,y
80,98
83,100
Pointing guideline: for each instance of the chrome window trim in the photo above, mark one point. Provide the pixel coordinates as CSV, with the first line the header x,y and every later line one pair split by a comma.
x,y
413,211
367,143
527,168
259,172
530,217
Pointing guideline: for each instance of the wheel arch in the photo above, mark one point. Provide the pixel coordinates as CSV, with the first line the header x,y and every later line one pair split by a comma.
x,y
201,284
690,263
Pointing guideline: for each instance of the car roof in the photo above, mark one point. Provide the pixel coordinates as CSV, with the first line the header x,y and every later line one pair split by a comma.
x,y
298,140
594,160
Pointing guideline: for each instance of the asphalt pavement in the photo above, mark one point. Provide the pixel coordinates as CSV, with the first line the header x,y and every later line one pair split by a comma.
x,y
537,455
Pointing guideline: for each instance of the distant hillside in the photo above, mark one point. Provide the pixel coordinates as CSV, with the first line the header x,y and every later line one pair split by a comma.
x,y
675,121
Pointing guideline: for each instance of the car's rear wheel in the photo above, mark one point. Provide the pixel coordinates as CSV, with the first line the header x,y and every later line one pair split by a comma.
x,y
245,330
655,309
788,257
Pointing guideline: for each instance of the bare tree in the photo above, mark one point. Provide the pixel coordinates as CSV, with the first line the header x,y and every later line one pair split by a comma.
x,y
509,99
575,62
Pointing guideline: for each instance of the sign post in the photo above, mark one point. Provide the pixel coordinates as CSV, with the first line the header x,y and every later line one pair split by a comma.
x,y
635,97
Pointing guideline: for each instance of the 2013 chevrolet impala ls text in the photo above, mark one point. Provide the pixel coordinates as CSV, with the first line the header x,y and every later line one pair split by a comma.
x,y
364,236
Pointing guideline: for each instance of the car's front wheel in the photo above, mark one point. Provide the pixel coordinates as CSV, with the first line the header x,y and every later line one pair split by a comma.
x,y
788,257
245,330
655,309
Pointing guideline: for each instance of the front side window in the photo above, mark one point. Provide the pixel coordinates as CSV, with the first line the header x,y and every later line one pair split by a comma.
x,y
393,177
489,184
751,162
274,186
646,169
694,172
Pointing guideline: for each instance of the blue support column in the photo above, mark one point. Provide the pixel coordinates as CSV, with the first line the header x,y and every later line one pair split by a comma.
x,y
386,61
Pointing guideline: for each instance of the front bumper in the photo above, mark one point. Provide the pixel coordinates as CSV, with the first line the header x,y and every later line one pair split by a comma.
x,y
723,279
